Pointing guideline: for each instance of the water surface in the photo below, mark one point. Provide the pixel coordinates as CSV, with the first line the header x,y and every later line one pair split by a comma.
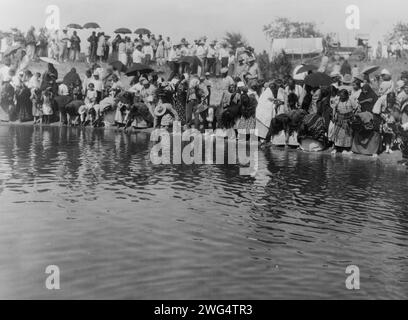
x,y
92,203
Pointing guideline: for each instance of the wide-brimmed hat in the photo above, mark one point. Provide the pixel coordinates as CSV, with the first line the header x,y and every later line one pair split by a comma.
x,y
385,72
160,110
359,77
335,74
347,79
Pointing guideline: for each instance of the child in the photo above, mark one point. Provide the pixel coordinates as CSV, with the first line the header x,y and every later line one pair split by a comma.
x,y
87,108
391,117
344,109
46,106
36,99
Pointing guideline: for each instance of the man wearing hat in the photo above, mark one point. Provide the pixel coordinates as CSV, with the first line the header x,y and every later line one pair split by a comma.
x,y
148,52
201,54
241,68
211,58
138,55
209,85
253,69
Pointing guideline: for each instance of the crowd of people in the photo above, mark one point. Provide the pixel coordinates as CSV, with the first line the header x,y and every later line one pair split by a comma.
x,y
352,112
65,45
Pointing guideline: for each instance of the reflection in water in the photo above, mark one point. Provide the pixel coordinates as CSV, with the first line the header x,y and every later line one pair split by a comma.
x,y
91,202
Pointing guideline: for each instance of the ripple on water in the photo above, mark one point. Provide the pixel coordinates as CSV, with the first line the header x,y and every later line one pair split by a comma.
x,y
121,227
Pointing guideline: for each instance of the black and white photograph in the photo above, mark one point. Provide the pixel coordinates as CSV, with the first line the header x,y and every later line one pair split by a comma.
x,y
215,150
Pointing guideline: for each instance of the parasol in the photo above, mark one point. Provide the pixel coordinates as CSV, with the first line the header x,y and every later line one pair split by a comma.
x,y
142,31
49,60
123,30
370,69
74,26
118,66
306,68
137,68
318,79
91,25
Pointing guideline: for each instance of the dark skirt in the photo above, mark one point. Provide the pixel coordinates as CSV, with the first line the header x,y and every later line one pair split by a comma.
x,y
366,142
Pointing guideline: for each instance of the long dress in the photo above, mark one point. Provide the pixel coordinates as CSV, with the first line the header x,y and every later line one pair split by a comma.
x,y
267,110
181,100
366,134
341,133
6,101
24,104
248,107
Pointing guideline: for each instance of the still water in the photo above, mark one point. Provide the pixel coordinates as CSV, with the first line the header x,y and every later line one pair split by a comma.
x,y
117,226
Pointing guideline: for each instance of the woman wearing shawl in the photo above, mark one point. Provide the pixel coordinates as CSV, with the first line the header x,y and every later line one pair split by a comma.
x,y
367,98
269,105
72,79
343,113
49,77
248,106
312,133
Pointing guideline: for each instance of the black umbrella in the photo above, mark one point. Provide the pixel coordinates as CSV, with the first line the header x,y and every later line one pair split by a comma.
x,y
118,66
138,68
318,79
142,31
306,68
74,26
91,25
192,60
123,30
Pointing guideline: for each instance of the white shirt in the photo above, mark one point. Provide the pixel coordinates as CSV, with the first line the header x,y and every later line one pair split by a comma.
x,y
137,56
148,50
200,52
211,52
223,53
4,72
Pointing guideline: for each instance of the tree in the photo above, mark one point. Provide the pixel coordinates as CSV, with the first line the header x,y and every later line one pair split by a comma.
x,y
400,30
235,40
280,65
285,28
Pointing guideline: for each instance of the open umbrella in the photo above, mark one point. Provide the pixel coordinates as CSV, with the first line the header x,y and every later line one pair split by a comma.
x,y
191,60
74,26
49,60
12,50
142,31
318,79
370,69
306,68
138,68
123,30
91,25
118,66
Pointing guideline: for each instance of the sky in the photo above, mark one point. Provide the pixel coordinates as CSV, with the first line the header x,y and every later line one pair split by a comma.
x,y
195,18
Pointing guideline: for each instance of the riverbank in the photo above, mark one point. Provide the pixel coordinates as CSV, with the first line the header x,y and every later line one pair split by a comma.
x,y
384,159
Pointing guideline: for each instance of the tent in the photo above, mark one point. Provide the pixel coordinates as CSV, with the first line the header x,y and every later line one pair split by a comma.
x,y
297,46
